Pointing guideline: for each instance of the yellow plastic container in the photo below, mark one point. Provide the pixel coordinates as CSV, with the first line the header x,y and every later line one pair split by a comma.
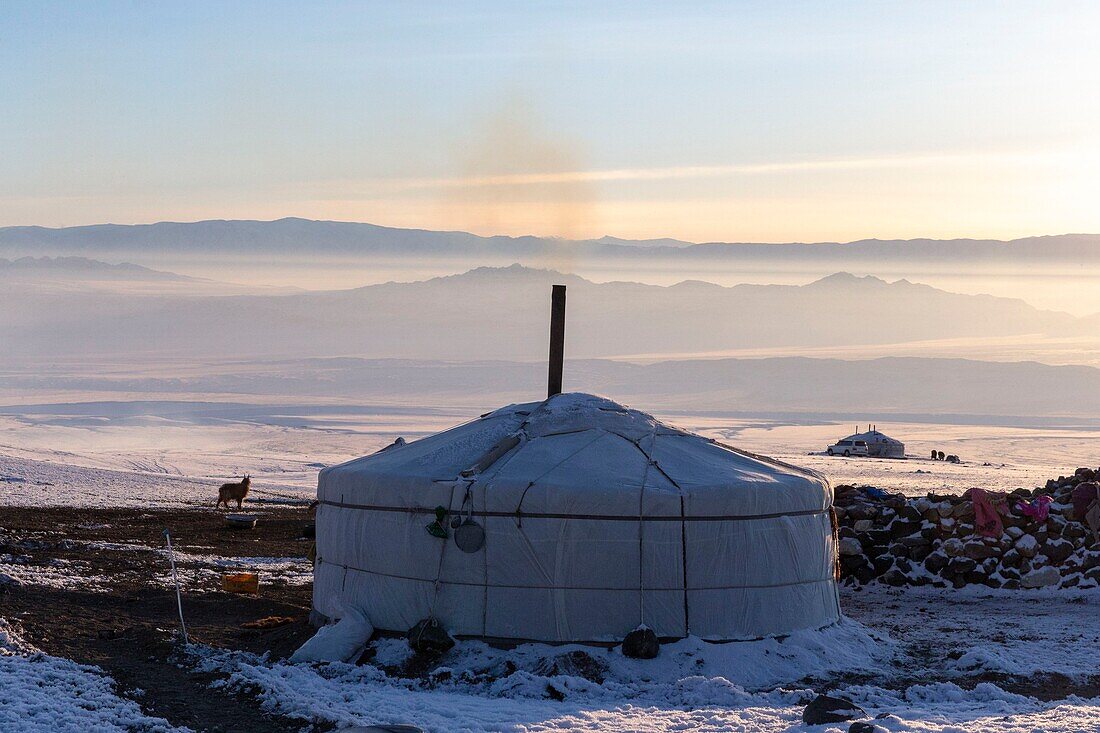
x,y
241,582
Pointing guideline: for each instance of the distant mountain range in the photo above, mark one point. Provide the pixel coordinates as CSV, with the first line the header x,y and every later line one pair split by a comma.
x,y
31,277
81,268
502,313
301,237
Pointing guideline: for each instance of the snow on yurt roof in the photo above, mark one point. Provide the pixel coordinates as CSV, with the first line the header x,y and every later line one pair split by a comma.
x,y
872,436
579,453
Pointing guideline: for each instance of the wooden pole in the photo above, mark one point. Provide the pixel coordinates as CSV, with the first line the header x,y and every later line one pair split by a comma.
x,y
557,340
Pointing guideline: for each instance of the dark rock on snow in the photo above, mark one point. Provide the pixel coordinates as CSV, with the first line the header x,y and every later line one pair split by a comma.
x,y
641,643
826,709
863,727
573,664
428,637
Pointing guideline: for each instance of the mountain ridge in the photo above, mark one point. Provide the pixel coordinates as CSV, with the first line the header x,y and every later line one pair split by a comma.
x,y
344,237
502,313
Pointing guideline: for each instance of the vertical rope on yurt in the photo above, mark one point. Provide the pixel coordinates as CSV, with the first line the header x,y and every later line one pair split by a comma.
x,y
835,521
684,561
497,466
442,553
641,525
651,461
485,565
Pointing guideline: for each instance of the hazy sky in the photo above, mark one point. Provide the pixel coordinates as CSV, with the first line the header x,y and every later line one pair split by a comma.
x,y
726,121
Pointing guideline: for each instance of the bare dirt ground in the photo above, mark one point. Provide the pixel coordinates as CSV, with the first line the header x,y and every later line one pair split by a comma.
x,y
127,625
96,588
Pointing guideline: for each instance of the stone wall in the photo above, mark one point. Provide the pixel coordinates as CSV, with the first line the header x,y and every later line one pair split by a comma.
x,y
931,540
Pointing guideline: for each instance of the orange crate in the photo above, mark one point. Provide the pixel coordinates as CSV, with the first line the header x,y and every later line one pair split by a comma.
x,y
238,582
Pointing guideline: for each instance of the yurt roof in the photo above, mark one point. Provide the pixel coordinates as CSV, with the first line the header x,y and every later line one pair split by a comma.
x,y
582,450
872,435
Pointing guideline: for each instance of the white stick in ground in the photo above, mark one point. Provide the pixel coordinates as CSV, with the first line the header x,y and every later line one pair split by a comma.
x,y
176,581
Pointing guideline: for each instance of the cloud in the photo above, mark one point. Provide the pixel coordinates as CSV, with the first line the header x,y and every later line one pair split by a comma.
x,y
537,178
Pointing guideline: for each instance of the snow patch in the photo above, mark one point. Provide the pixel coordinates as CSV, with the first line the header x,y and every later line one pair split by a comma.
x,y
45,694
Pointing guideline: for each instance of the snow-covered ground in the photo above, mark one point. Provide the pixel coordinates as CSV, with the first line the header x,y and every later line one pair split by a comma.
x,y
918,658
44,694
26,482
927,660
169,454
58,574
994,457
197,572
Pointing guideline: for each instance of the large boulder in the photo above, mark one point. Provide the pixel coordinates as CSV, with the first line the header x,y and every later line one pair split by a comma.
x,y
1041,578
894,577
865,574
977,550
952,547
875,537
851,563
882,563
936,562
910,512
904,527
918,554
960,565
1058,551
1090,559
862,511
850,546
898,550
1027,546
1074,532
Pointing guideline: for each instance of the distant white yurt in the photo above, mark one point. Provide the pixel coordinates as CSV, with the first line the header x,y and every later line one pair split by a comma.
x,y
575,519
879,445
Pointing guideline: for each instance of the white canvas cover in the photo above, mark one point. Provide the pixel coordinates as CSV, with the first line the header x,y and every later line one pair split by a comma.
x,y
597,518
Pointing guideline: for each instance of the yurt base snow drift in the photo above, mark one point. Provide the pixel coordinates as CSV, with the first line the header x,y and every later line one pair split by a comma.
x,y
575,519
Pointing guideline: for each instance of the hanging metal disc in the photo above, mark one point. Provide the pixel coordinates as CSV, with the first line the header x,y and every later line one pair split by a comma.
x,y
469,536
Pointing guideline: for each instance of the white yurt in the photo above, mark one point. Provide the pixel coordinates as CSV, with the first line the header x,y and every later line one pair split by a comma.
x,y
575,519
879,445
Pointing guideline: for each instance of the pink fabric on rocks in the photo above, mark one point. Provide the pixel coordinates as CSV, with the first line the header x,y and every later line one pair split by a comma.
x,y
1038,508
986,519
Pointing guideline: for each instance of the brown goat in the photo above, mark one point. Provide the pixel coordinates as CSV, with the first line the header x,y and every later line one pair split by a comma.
x,y
234,491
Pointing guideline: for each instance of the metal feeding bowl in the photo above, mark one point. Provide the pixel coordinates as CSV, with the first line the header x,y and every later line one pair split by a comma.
x,y
241,521
469,536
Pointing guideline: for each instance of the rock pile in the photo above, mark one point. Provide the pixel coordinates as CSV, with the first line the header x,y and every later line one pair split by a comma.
x,y
931,540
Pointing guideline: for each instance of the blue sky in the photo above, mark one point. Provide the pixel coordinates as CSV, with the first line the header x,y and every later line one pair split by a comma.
x,y
707,121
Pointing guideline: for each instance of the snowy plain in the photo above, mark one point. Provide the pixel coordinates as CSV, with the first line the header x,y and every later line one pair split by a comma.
x,y
161,453
925,659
